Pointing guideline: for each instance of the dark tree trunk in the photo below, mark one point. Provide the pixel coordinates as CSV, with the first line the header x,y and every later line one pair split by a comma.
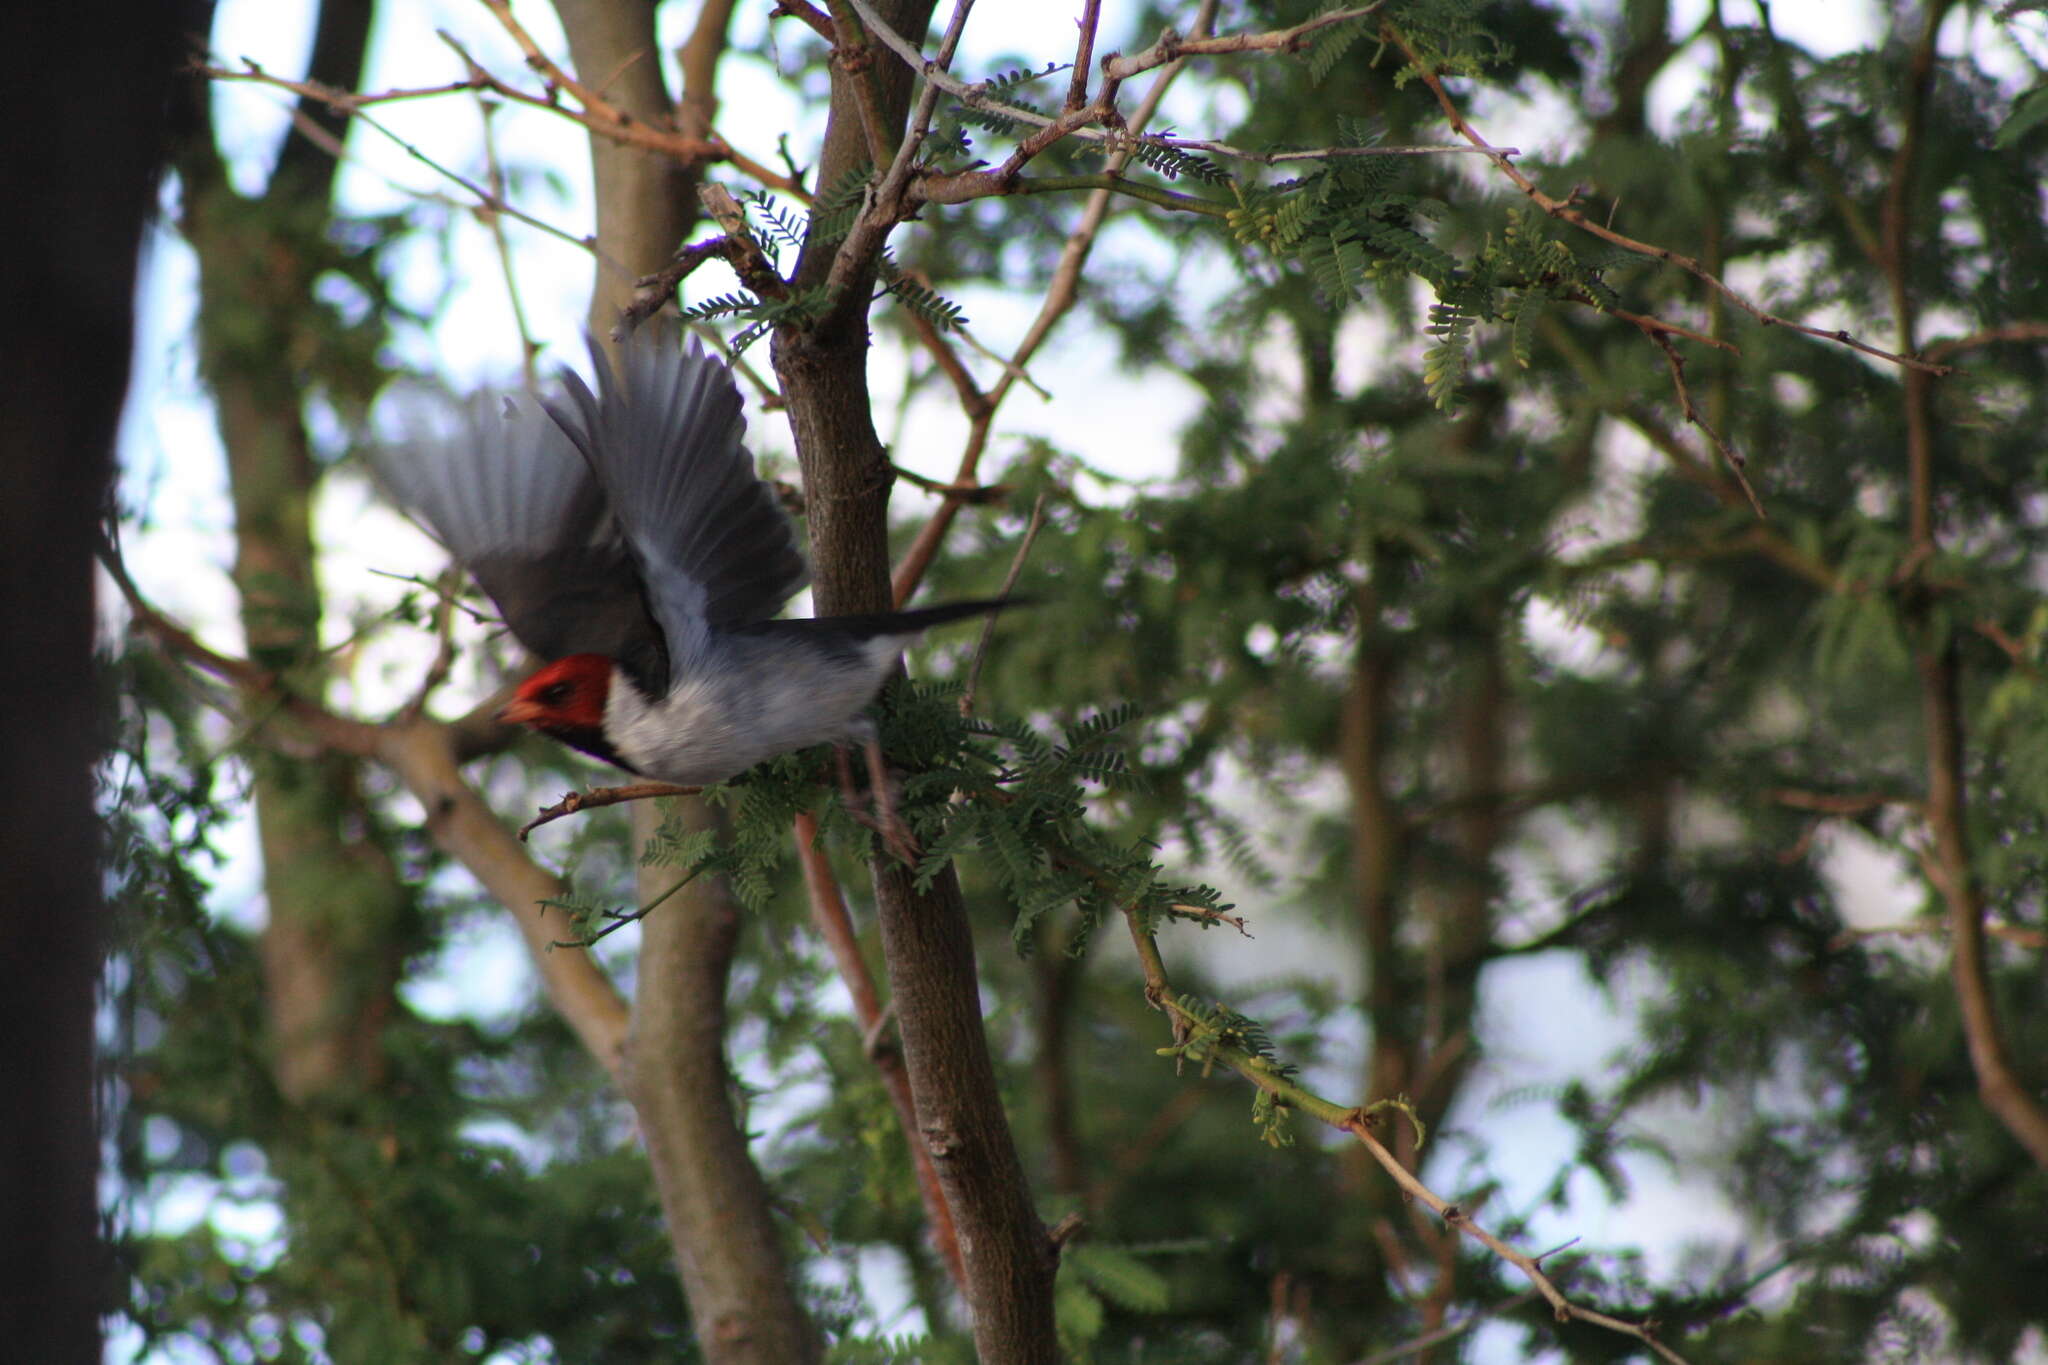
x,y
82,154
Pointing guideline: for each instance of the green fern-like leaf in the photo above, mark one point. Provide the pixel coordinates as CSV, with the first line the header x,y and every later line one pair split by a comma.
x,y
1121,1278
1411,249
941,312
1290,220
724,306
1338,264
833,211
1174,163
1444,363
1100,726
1528,312
1327,46
782,227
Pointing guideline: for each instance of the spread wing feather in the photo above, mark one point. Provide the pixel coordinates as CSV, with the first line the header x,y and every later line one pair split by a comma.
x,y
664,439
509,497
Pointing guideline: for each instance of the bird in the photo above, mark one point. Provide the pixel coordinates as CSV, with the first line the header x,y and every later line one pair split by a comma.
x,y
628,540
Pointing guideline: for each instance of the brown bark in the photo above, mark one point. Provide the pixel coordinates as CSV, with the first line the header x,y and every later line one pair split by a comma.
x,y
835,926
1949,863
1010,1260
1951,870
1459,905
645,201
926,940
424,756
1057,974
1376,842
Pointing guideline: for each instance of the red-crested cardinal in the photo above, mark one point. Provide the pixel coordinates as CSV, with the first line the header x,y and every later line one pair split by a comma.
x,y
627,539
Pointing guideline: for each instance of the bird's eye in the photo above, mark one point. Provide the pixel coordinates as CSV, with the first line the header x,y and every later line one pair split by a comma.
x,y
555,695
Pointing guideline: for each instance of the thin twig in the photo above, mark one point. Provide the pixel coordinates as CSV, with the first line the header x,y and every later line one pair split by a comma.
x,y
889,191
966,492
1084,53
1737,466
616,920
491,202
1188,1034
975,96
1990,336
1430,1340
1060,296
1839,803
816,19
444,651
1203,912
988,627
1171,47
528,347
602,796
652,293
2023,935
1561,209
742,251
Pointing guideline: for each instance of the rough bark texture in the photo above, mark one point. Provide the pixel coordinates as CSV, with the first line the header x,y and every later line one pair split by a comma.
x,y
65,332
925,937
960,1119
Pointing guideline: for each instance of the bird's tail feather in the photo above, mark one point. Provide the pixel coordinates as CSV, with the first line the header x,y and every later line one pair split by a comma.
x,y
915,621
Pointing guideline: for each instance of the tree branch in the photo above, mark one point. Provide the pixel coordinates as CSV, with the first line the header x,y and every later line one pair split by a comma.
x,y
1562,210
1060,296
422,752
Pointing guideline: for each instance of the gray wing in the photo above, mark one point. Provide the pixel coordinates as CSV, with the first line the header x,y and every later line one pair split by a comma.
x,y
513,502
663,436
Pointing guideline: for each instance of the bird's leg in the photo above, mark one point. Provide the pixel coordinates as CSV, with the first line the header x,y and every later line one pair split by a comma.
x,y
896,835
881,815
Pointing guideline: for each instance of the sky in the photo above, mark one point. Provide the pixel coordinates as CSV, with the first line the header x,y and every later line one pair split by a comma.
x,y
1563,1025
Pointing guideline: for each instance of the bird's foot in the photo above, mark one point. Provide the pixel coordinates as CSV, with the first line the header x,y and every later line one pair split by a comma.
x,y
880,813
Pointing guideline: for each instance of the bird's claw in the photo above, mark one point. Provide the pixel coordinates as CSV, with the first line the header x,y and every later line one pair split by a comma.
x,y
881,814
897,838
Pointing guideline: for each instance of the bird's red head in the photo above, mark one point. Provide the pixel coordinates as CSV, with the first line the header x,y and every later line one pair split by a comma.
x,y
566,696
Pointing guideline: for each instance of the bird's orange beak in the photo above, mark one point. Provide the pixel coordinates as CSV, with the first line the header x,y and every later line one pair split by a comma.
x,y
519,711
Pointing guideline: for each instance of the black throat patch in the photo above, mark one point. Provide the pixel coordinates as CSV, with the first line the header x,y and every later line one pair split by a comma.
x,y
590,740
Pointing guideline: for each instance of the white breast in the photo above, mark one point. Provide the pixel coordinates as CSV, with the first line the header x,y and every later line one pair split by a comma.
x,y
751,699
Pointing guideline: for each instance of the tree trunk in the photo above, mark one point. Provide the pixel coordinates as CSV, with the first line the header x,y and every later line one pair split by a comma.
x,y
65,333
